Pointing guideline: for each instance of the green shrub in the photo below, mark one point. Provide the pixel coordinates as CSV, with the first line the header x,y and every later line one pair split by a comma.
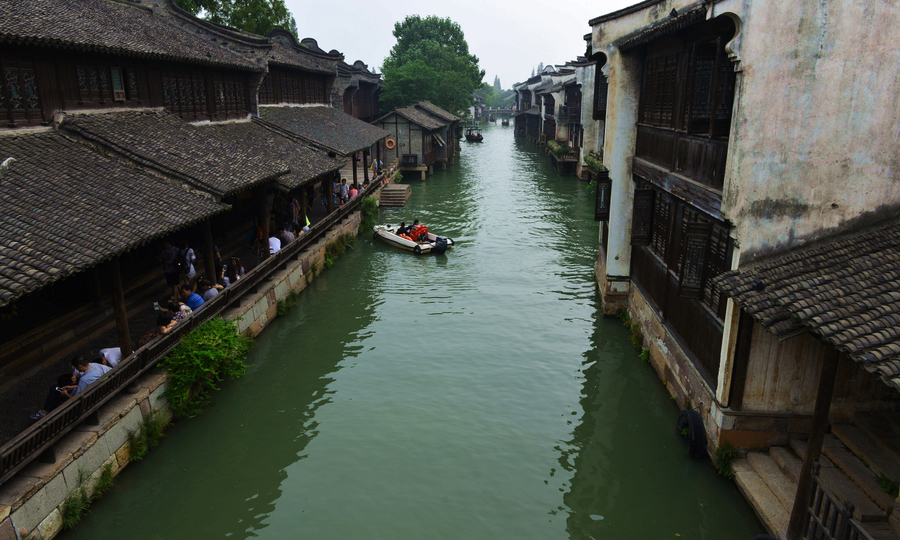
x,y
288,302
337,248
206,356
146,437
106,481
74,508
888,486
725,454
369,208
595,165
398,177
645,355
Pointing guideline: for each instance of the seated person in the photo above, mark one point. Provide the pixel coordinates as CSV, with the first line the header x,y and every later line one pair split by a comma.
x,y
164,323
190,298
207,289
177,310
90,373
54,396
274,243
111,357
402,229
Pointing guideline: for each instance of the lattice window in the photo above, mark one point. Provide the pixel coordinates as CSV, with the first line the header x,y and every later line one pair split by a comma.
x,y
14,88
642,219
267,90
131,78
694,253
659,235
716,263
29,86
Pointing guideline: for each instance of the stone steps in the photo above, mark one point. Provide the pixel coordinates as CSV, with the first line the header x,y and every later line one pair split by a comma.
x,y
765,502
865,510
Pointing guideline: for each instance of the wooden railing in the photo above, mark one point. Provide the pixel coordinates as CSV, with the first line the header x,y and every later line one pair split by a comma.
x,y
39,439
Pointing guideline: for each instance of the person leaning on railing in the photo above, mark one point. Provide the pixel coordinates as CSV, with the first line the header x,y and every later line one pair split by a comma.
x,y
90,373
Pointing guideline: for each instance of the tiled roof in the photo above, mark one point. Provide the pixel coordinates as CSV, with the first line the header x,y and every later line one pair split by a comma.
x,y
419,117
109,27
845,291
64,208
287,51
324,127
433,109
306,163
157,139
665,27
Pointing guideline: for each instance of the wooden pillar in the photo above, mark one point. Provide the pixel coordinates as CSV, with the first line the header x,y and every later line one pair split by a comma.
x,y
355,180
814,444
365,166
303,210
121,315
263,216
741,361
329,191
208,254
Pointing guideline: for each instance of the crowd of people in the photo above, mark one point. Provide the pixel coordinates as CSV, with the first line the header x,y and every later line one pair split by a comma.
x,y
190,291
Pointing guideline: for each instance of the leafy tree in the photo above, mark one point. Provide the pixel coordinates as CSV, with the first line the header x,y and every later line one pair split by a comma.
x,y
431,62
497,87
540,68
254,16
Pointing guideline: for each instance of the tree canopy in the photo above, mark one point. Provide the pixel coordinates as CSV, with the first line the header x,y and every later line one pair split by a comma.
x,y
254,16
430,62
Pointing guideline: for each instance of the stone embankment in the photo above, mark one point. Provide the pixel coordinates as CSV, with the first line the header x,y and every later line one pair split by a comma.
x,y
32,502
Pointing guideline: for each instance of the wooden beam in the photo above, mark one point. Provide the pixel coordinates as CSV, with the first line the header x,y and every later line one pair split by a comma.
x,y
121,315
263,211
208,254
365,166
355,180
814,444
741,360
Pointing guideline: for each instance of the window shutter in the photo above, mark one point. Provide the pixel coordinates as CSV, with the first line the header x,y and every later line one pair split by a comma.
x,y
604,193
696,248
642,218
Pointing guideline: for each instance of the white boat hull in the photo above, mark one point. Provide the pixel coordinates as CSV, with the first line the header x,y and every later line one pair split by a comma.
x,y
435,244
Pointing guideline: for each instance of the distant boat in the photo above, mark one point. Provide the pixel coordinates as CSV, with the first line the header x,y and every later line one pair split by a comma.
x,y
473,135
505,122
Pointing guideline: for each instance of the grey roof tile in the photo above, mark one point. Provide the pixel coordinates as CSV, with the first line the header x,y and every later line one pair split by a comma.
x,y
160,140
110,27
846,291
324,127
64,209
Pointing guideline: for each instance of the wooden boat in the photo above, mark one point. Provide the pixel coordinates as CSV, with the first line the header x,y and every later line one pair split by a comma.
x,y
473,135
505,122
427,243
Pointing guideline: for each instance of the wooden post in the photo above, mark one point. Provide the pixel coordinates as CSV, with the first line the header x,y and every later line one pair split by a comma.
x,y
209,255
303,210
118,300
261,196
365,167
355,181
741,360
814,444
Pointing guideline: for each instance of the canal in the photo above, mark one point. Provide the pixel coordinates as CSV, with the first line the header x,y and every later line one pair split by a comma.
x,y
476,395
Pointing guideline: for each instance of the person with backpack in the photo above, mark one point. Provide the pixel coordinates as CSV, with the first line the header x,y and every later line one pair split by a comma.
x,y
170,258
188,259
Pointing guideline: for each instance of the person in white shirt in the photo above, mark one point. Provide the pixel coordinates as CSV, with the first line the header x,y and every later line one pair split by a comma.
x,y
111,357
274,244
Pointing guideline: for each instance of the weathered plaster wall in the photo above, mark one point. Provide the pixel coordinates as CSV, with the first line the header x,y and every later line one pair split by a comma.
x,y
593,129
816,120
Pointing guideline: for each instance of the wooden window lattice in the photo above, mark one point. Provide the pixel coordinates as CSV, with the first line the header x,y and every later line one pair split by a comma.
x,y
659,237
604,194
694,255
643,217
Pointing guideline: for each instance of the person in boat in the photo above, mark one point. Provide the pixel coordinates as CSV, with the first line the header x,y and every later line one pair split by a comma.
x,y
403,229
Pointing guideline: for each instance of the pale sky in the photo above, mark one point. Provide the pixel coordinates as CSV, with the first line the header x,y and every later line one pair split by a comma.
x,y
509,38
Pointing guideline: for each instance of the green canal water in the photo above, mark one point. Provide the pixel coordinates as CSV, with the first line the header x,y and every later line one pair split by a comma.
x,y
477,395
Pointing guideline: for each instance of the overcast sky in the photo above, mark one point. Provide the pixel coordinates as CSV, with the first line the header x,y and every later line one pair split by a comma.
x,y
509,37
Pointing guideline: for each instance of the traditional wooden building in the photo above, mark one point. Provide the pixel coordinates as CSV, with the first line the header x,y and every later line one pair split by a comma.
x,y
359,90
759,280
135,93
416,137
448,136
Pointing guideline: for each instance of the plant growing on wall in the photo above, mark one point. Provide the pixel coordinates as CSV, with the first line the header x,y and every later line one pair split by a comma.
x,y
594,163
369,207
205,357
